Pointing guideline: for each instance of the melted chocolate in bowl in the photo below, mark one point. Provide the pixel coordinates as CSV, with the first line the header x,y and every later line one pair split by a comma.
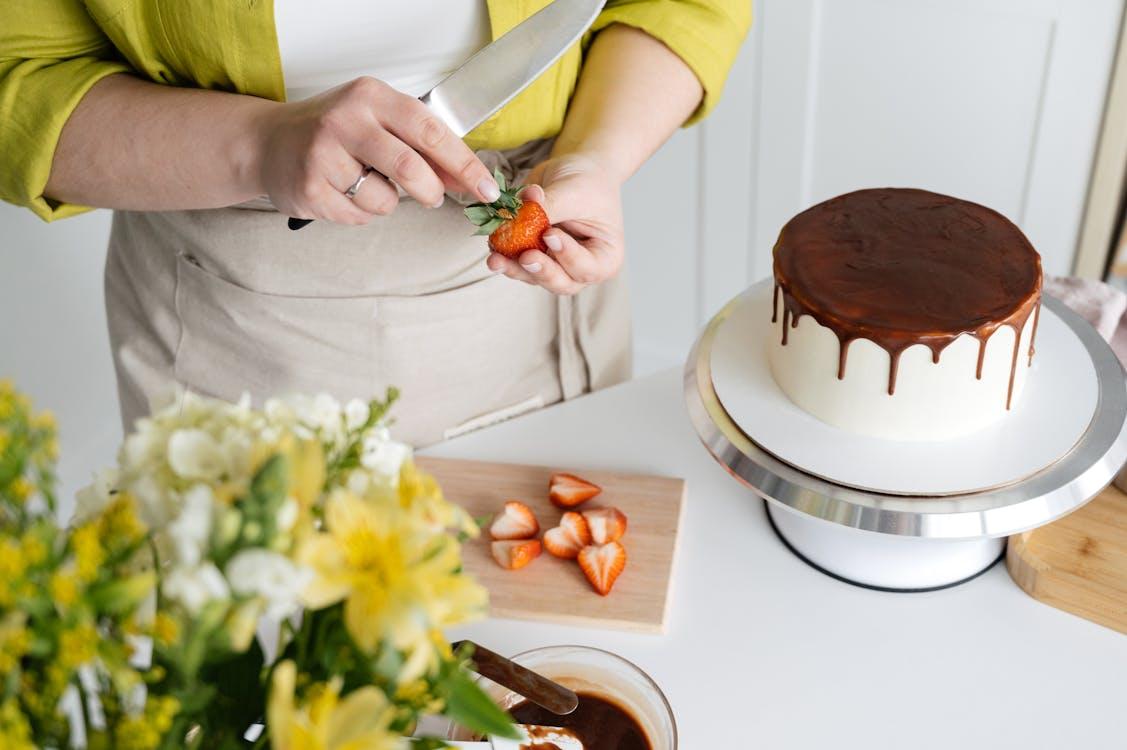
x,y
599,723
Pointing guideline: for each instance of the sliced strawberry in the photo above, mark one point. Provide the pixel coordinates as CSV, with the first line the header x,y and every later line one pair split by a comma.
x,y
606,524
602,564
569,537
515,521
568,490
515,554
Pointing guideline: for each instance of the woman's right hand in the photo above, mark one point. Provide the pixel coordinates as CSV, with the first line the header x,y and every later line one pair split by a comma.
x,y
313,150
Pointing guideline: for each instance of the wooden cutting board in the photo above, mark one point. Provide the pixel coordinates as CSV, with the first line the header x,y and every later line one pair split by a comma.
x,y
1079,563
553,589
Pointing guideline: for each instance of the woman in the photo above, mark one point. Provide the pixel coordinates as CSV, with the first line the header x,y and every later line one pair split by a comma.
x,y
199,122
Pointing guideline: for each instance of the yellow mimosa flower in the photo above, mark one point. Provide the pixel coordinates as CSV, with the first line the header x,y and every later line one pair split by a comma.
x,y
88,552
325,721
64,588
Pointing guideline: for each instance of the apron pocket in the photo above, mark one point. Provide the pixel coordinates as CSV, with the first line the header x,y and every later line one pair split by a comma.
x,y
234,340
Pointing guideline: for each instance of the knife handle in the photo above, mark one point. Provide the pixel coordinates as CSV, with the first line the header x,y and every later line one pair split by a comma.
x,y
296,224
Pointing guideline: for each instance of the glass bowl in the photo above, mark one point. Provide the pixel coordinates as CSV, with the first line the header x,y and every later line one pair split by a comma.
x,y
595,672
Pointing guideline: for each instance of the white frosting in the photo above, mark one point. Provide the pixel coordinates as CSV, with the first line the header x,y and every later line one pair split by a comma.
x,y
931,401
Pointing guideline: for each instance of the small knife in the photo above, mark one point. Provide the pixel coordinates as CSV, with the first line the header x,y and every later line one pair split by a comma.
x,y
501,70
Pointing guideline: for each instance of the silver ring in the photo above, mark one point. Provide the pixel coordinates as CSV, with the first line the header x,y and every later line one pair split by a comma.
x,y
354,188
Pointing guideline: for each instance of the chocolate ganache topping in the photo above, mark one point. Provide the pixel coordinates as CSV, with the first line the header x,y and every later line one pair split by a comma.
x,y
902,266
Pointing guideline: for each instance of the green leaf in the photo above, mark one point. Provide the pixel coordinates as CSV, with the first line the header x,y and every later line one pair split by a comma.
x,y
489,228
499,177
427,743
478,214
468,704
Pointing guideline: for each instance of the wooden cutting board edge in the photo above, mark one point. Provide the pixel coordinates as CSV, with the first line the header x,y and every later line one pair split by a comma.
x,y
1064,589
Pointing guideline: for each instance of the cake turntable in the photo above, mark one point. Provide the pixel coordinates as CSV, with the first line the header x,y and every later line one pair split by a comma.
x,y
909,516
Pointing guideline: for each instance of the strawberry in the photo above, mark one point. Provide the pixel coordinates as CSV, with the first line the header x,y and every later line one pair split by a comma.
x,y
602,564
606,524
513,225
568,490
514,554
515,521
569,537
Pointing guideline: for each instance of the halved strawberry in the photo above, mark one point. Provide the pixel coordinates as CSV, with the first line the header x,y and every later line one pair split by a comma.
x,y
606,524
569,537
568,490
515,521
516,553
602,564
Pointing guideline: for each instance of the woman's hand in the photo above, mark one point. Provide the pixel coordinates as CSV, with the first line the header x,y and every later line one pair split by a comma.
x,y
586,243
313,150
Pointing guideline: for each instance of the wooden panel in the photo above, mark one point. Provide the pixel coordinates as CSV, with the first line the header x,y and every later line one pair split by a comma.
x,y
1079,563
553,589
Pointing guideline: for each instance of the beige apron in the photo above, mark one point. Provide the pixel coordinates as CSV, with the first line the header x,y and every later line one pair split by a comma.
x,y
229,301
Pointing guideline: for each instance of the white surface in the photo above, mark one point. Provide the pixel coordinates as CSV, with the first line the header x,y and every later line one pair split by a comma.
x,y
886,560
761,644
330,42
996,101
931,400
1058,405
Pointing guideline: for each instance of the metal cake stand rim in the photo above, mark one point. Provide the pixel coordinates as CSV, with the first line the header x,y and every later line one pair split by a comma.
x,y
1054,491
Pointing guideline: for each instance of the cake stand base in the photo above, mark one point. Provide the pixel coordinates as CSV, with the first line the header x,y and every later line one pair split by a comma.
x,y
884,562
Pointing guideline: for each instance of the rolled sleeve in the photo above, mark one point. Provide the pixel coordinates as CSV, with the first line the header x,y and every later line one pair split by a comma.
x,y
51,54
706,34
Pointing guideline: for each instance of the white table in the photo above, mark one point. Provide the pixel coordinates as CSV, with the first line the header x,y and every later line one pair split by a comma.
x,y
764,648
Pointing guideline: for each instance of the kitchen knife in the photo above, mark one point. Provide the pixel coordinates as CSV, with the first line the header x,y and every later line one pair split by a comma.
x,y
501,70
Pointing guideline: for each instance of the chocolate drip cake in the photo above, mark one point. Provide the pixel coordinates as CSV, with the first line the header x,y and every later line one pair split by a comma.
x,y
904,314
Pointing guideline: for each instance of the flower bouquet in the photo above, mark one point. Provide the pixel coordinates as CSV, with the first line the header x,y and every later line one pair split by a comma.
x,y
277,577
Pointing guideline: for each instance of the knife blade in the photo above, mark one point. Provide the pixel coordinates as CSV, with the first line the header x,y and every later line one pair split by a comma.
x,y
499,71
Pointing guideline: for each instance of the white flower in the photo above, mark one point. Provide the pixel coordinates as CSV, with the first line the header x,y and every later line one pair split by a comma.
x,y
191,530
325,414
194,454
195,587
384,456
356,414
270,575
93,498
358,482
287,515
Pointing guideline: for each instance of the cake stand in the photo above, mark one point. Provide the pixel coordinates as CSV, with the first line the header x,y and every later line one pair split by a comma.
x,y
912,541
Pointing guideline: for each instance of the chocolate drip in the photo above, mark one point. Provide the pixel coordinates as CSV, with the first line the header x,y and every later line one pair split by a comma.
x,y
1033,338
775,304
902,267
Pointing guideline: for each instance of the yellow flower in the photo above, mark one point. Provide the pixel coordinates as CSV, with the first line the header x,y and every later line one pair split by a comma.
x,y
146,730
5,437
325,721
44,420
64,588
399,581
33,549
119,522
76,645
14,641
15,731
88,552
20,489
165,629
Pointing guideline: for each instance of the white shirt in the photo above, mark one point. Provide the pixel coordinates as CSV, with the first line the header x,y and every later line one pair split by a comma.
x,y
409,45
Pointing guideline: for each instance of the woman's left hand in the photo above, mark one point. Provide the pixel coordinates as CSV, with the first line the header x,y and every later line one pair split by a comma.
x,y
586,242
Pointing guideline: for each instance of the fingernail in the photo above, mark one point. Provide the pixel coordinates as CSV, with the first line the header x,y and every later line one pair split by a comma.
x,y
488,189
552,242
531,267
440,202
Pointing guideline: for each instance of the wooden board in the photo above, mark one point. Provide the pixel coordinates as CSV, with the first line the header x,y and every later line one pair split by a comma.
x,y
1079,563
553,589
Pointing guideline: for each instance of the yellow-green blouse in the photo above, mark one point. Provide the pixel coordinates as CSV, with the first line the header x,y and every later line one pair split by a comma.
x,y
53,51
